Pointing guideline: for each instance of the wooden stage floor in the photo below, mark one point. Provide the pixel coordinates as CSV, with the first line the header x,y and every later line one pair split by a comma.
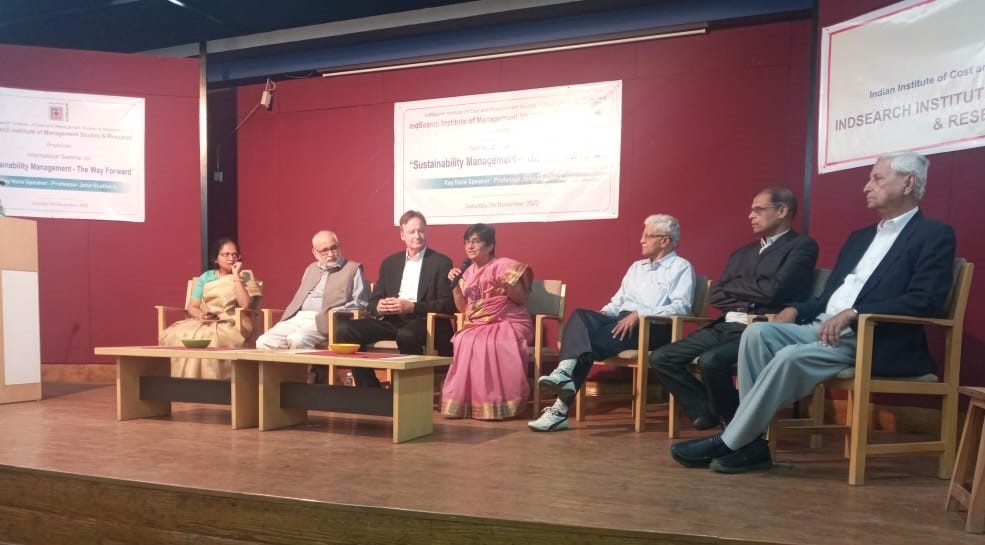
x,y
598,483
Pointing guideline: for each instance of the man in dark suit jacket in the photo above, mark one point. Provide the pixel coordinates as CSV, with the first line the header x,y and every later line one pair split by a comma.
x,y
411,284
903,265
760,278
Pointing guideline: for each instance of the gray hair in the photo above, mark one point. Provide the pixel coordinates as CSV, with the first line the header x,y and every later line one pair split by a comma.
x,y
906,163
668,224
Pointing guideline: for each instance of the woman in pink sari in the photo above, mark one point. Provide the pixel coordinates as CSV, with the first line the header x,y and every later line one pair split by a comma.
x,y
488,376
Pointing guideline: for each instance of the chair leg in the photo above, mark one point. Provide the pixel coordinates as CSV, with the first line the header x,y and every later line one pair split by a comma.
x,y
580,405
849,402
859,438
673,418
639,397
949,430
817,414
975,523
971,437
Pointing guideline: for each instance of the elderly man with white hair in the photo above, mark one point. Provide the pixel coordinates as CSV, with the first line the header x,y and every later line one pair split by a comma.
x,y
660,284
330,282
902,265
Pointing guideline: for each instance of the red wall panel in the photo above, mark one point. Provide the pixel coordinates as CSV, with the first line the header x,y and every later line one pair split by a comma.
x,y
699,139
99,280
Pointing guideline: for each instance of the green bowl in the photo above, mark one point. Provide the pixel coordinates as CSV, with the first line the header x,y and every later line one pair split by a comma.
x,y
196,343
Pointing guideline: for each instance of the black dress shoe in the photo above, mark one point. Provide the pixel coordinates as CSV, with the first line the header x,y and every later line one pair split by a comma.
x,y
699,452
706,422
752,457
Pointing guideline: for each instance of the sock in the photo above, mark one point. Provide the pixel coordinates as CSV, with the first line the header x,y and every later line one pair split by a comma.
x,y
560,406
568,366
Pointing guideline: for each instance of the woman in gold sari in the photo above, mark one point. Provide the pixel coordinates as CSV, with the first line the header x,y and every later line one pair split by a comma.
x,y
211,313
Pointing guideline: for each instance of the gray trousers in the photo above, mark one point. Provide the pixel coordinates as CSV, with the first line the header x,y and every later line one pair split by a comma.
x,y
779,364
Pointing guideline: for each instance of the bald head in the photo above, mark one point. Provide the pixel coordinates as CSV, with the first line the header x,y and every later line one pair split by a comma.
x,y
326,248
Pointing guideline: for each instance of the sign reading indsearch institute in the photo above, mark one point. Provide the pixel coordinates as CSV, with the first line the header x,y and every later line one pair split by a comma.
x,y
910,76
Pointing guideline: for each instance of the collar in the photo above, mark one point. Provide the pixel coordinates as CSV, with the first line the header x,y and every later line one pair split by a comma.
x,y
899,222
766,242
656,264
418,257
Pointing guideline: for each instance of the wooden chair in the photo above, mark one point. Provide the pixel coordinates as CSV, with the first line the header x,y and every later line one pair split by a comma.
x,y
545,303
638,359
860,384
245,318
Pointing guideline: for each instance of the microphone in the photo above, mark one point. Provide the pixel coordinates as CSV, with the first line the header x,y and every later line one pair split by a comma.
x,y
465,265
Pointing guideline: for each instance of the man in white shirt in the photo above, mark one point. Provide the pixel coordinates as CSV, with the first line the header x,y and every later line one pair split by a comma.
x,y
902,265
411,284
660,284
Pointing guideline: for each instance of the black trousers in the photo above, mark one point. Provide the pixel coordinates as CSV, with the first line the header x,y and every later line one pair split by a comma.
x,y
587,338
410,332
717,348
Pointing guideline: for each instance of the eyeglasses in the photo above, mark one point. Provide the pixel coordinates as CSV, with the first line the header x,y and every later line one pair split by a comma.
x,y
473,242
651,237
760,209
233,255
330,250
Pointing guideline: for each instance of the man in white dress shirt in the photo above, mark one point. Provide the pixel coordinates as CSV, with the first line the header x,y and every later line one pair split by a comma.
x,y
902,265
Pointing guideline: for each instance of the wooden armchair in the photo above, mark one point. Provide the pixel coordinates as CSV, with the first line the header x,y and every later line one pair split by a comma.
x,y
860,384
638,359
245,318
545,304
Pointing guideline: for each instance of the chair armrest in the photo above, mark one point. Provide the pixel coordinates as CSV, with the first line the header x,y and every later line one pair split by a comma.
x,y
896,319
341,313
270,316
162,318
539,320
676,325
457,319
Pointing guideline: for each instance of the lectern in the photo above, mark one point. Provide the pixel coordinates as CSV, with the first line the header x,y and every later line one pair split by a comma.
x,y
20,324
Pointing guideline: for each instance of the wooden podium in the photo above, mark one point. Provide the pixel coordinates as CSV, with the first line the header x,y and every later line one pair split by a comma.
x,y
20,324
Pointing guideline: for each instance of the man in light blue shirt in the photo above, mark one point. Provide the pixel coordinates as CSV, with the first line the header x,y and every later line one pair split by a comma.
x,y
660,284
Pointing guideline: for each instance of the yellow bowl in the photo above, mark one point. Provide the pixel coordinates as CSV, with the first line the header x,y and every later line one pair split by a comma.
x,y
196,343
344,348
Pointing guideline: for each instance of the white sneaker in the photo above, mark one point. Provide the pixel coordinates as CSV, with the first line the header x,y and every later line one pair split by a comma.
x,y
558,383
550,420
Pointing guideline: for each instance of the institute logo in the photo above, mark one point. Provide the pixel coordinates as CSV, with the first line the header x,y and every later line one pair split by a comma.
x,y
58,112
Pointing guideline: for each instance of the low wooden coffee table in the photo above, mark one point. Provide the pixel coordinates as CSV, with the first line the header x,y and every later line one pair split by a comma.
x,y
285,398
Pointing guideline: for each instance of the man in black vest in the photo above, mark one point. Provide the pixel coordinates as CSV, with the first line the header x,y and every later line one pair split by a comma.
x,y
329,282
760,278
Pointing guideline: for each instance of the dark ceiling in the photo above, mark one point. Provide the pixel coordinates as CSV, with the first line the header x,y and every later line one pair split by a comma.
x,y
252,40
139,25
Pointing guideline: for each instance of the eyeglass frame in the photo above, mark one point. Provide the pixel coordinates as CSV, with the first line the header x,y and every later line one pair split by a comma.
x,y
335,248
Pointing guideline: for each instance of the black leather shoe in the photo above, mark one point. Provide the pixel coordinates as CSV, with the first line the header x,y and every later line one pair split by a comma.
x,y
752,457
707,422
699,452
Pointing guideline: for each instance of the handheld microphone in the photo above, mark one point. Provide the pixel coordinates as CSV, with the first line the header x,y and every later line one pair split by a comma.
x,y
465,265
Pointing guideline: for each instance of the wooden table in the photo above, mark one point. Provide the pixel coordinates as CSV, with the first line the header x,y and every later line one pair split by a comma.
x,y
285,398
144,386
269,388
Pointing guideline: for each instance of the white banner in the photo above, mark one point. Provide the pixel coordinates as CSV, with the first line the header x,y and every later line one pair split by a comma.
x,y
910,76
535,155
69,155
